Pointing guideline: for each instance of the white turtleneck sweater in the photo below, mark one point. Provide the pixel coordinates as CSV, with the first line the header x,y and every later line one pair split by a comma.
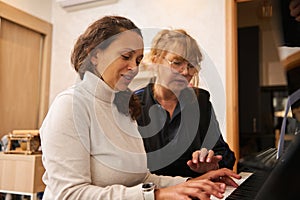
x,y
90,150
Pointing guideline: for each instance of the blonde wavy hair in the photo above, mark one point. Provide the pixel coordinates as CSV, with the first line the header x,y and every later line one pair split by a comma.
x,y
168,41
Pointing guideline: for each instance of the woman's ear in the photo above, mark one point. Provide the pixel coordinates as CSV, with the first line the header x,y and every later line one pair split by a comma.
x,y
95,57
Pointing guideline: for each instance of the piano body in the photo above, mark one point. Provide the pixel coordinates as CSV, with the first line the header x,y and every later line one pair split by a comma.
x,y
270,184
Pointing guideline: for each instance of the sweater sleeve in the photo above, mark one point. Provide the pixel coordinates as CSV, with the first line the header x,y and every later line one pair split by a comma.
x,y
66,157
164,181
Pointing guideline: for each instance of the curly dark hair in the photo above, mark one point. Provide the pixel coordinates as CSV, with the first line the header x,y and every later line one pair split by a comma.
x,y
99,35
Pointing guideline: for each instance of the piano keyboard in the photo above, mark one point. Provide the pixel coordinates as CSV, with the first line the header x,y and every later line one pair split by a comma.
x,y
249,185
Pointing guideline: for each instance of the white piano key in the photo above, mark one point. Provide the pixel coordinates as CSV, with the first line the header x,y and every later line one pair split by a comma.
x,y
230,189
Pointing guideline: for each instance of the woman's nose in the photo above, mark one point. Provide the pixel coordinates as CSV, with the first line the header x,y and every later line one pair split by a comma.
x,y
132,65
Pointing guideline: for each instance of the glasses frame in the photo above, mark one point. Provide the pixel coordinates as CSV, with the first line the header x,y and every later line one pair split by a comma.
x,y
177,67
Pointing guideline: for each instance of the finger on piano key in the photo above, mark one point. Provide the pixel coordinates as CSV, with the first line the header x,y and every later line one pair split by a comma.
x,y
229,189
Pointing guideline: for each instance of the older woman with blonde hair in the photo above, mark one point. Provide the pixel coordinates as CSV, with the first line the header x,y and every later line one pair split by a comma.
x,y
179,127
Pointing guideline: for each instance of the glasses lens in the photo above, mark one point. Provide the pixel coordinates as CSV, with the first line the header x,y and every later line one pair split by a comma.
x,y
192,70
178,64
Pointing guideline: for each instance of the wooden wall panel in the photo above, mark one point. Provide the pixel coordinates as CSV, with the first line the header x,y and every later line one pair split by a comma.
x,y
20,64
25,52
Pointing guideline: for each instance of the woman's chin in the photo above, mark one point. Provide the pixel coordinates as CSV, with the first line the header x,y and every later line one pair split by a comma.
x,y
121,87
180,85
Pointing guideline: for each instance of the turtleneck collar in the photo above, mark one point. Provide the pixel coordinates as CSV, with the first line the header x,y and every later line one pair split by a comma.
x,y
98,87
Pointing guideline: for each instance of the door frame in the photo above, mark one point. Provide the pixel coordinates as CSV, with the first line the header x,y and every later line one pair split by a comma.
x,y
232,112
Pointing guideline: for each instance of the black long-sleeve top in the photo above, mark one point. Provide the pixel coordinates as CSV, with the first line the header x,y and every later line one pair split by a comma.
x,y
170,142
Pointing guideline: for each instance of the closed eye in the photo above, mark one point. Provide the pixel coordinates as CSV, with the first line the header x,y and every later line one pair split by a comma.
x,y
190,66
177,62
131,55
125,57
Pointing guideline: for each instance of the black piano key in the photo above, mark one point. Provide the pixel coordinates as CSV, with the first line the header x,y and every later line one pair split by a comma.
x,y
250,187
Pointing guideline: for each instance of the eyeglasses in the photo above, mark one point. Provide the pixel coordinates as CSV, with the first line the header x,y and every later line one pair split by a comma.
x,y
178,64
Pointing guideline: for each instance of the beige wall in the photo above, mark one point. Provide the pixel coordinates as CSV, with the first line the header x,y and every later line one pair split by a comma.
x,y
39,8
